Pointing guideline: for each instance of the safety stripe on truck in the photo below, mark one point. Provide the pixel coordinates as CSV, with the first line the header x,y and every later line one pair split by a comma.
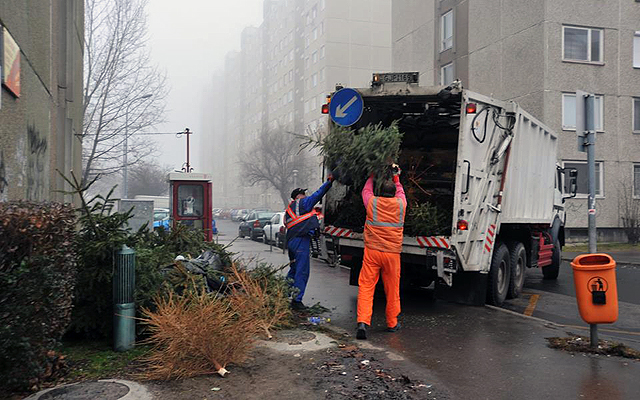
x,y
434,241
340,232
489,238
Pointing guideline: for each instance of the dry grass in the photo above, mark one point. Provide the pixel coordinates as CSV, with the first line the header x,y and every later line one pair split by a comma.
x,y
199,333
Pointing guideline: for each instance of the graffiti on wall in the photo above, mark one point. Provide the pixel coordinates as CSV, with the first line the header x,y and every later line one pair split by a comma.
x,y
36,164
3,178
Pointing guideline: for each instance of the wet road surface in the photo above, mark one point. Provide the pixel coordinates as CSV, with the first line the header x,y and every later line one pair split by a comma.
x,y
482,352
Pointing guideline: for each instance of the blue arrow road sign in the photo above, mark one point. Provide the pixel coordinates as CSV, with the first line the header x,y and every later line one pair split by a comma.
x,y
346,107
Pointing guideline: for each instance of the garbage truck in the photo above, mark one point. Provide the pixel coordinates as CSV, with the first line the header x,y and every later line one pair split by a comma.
x,y
486,166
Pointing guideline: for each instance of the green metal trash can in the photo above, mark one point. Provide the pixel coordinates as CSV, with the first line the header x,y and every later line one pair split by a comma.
x,y
124,309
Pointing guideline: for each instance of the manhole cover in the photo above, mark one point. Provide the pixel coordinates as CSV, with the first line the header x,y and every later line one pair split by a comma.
x,y
88,391
293,337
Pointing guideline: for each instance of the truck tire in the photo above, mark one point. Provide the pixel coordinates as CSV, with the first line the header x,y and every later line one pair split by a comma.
x,y
552,270
499,276
518,264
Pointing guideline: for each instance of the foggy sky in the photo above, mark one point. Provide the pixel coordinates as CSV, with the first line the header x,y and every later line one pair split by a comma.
x,y
189,40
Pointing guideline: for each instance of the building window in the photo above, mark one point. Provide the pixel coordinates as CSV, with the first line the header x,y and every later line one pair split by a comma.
x,y
636,50
569,112
636,115
314,33
446,31
314,104
322,4
314,80
583,177
321,28
636,180
446,74
582,44
322,75
314,57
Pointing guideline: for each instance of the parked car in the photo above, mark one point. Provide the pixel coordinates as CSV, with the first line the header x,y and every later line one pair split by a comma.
x,y
275,231
226,213
240,214
216,212
161,218
253,225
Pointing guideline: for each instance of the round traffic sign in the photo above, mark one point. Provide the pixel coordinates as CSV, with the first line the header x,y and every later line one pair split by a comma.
x,y
346,107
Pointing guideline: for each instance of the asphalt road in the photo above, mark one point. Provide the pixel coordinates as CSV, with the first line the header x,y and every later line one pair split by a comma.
x,y
483,352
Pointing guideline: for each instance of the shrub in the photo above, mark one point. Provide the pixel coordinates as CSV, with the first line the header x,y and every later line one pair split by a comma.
x,y
37,277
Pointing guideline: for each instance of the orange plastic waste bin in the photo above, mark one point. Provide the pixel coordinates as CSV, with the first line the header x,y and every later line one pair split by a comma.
x,y
594,276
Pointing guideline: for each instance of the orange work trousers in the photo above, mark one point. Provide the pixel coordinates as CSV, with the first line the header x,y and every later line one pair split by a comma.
x,y
373,264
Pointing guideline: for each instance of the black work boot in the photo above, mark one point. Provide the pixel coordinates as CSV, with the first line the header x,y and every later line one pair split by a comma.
x,y
395,328
297,306
361,332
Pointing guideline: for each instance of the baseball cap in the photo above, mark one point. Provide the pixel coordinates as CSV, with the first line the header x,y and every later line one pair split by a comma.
x,y
297,191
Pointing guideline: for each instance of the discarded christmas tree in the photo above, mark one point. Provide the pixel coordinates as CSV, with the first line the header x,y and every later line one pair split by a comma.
x,y
354,155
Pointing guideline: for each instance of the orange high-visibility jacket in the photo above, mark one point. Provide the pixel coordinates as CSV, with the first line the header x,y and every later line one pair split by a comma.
x,y
384,226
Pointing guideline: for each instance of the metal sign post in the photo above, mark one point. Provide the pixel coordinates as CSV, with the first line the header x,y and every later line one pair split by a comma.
x,y
585,128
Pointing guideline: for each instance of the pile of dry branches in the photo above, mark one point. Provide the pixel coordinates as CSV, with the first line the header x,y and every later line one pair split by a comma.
x,y
198,333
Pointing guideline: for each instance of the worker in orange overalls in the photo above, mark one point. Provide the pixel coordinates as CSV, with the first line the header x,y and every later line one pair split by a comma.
x,y
382,246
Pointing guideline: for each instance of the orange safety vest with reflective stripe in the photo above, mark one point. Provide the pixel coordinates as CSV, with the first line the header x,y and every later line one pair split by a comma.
x,y
299,225
385,224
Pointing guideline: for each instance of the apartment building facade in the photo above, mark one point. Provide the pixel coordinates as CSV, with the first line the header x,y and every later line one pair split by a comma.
x,y
307,47
539,54
40,98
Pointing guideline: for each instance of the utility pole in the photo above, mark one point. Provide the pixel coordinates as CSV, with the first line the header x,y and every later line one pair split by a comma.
x,y
187,132
585,128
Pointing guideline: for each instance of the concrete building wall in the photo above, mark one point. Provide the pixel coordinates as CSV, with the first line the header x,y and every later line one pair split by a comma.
x,y
514,51
38,128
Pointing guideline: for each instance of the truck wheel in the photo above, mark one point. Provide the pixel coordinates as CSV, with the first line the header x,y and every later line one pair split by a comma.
x,y
499,276
264,238
552,270
518,263
240,234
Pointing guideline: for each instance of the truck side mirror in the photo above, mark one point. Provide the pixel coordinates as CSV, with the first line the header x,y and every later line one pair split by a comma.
x,y
573,182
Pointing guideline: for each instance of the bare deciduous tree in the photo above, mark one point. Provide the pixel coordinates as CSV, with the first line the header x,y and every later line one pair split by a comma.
x,y
149,179
123,93
629,211
272,160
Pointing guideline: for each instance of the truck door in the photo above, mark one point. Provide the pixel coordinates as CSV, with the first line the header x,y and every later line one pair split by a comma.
x,y
483,150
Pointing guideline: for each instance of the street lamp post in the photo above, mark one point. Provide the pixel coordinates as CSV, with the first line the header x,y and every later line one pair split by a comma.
x,y
295,178
125,167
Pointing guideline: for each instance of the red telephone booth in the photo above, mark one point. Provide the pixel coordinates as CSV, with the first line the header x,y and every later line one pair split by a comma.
x,y
191,201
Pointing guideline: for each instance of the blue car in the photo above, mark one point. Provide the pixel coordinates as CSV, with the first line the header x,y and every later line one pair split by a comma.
x,y
161,218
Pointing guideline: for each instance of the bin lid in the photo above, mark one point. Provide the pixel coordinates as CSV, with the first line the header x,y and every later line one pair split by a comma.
x,y
595,261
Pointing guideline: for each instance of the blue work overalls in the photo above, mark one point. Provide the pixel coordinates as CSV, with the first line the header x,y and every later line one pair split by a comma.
x,y
302,222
